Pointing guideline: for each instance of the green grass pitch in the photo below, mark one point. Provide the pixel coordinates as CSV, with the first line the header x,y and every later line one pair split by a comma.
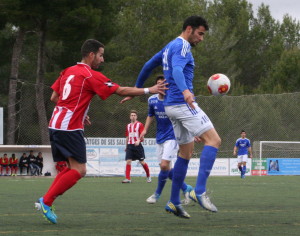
x,y
267,205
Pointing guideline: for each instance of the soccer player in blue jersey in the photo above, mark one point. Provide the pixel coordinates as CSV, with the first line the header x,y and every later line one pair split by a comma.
x,y
242,145
167,146
187,118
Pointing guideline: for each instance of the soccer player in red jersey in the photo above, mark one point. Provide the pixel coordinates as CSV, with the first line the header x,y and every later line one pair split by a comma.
x,y
13,164
4,164
72,93
134,148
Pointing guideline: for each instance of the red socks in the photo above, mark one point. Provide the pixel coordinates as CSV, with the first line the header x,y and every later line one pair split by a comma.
x,y
58,176
63,181
127,171
146,168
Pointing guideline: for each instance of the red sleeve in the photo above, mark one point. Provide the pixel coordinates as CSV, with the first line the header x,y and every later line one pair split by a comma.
x,y
126,131
102,85
141,128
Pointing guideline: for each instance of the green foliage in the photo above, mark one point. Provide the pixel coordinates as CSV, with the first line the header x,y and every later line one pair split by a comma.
x,y
257,53
243,46
285,75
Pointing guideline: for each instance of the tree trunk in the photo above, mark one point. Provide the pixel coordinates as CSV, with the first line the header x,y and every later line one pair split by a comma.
x,y
40,102
14,73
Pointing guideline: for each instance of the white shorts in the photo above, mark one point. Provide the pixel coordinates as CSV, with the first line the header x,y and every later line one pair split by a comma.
x,y
167,150
242,158
188,123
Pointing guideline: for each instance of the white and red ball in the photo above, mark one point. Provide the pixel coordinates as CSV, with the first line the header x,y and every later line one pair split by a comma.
x,y
218,84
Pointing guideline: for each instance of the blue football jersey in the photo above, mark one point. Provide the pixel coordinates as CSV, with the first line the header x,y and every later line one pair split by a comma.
x,y
177,53
164,128
242,145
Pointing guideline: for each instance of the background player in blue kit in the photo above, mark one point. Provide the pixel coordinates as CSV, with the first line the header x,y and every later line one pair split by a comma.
x,y
242,145
167,146
187,118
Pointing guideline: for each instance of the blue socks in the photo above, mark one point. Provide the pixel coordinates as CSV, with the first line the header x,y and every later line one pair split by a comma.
x,y
179,173
244,170
184,185
207,160
170,176
162,179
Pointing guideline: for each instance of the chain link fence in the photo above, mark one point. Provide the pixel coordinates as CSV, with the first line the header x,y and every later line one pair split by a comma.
x,y
264,117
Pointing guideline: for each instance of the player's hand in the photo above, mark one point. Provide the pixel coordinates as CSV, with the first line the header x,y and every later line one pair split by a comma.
x,y
189,98
250,155
197,139
160,87
137,143
234,153
126,99
87,121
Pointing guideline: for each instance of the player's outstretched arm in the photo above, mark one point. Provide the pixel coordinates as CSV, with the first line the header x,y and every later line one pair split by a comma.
x,y
132,91
144,74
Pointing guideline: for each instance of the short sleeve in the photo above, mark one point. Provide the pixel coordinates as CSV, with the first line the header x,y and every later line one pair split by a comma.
x,y
102,85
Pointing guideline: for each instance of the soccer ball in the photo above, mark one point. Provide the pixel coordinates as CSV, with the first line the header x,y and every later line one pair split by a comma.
x,y
218,84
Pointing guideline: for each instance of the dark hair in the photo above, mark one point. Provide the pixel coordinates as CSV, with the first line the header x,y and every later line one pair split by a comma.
x,y
133,111
159,77
242,131
195,22
90,45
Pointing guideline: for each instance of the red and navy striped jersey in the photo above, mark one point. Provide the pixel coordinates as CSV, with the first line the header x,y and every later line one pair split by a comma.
x,y
76,87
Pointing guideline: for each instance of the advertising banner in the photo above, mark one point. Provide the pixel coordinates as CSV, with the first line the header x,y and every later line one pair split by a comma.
x,y
259,167
234,169
106,157
221,167
283,166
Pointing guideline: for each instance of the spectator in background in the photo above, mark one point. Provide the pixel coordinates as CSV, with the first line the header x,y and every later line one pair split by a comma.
x,y
13,164
24,163
4,164
33,164
39,161
60,166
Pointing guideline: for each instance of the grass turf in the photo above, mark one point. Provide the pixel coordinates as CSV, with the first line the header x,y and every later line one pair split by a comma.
x,y
268,205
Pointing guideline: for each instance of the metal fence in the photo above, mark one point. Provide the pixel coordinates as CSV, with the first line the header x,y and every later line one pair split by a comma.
x,y
264,117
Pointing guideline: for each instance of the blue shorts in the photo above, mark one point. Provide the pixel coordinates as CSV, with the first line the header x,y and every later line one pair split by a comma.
x,y
66,144
135,152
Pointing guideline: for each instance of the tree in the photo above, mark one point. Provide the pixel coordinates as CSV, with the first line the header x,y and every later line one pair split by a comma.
x,y
285,75
14,74
10,10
